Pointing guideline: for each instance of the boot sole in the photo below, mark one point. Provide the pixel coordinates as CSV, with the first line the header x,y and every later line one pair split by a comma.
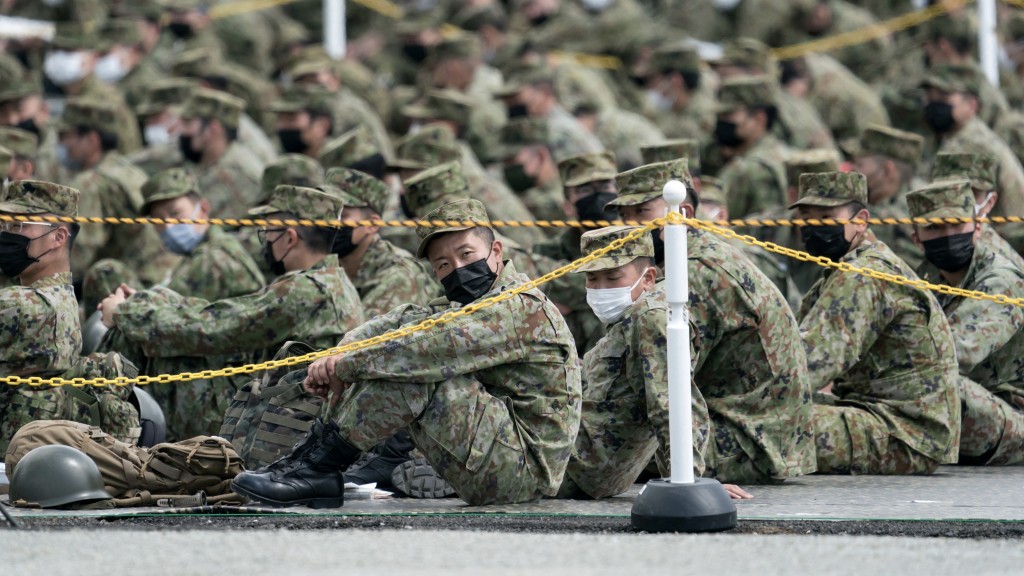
x,y
417,479
315,503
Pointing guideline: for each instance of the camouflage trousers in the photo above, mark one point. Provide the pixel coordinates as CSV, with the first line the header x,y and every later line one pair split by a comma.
x,y
991,431
467,435
850,440
102,279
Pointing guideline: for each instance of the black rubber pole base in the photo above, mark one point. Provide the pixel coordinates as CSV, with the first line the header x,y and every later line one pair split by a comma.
x,y
703,506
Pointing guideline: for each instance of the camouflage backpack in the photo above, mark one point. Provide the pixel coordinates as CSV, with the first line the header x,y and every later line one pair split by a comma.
x,y
268,416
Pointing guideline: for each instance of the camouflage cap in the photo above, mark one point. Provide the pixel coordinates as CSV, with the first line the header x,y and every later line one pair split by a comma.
x,y
522,132
747,53
89,112
809,162
165,93
955,28
646,183
831,189
466,209
194,63
448,105
954,78
207,103
520,76
586,168
745,91
301,99
309,60
292,169
305,203
460,45
75,35
350,147
5,161
1014,27
168,185
18,89
669,150
593,240
474,17
20,142
38,197
712,190
360,190
944,199
431,146
123,31
981,168
675,58
152,9
434,187
186,5
886,141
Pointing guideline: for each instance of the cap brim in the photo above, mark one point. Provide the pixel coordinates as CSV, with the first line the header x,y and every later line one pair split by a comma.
x,y
18,208
634,199
945,212
421,250
820,202
400,164
851,147
263,210
935,82
417,112
598,265
723,108
507,91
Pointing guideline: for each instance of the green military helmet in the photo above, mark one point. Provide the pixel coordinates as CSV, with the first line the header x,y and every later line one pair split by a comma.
x,y
831,189
943,199
206,103
168,185
21,142
669,150
435,187
360,190
430,146
981,168
56,475
304,203
461,211
809,162
646,183
38,197
6,154
349,149
886,141
593,240
89,112
587,168
745,92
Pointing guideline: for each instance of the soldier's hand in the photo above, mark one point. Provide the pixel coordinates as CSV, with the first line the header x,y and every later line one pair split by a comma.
x,y
127,290
736,493
320,376
109,306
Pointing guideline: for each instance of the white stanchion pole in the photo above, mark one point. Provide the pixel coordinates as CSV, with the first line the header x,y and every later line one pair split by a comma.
x,y
334,28
677,292
988,45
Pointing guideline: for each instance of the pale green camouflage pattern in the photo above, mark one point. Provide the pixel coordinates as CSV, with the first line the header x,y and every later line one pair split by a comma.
x,y
389,276
5,159
431,146
20,142
89,112
213,104
168,185
809,162
424,191
348,148
622,132
954,78
521,132
593,240
889,354
302,99
647,182
165,93
890,142
943,199
756,180
587,168
232,184
303,203
978,167
566,137
847,105
679,58
360,190
38,197
293,169
670,150
447,104
829,189
460,211
496,420
745,92
570,290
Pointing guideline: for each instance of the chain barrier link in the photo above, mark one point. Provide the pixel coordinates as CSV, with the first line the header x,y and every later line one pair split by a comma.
x,y
353,346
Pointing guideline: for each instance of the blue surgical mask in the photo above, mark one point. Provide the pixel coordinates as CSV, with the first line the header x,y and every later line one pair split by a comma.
x,y
182,238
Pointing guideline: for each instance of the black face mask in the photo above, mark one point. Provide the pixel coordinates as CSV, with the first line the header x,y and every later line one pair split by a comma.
x,y
29,125
185,145
14,258
827,241
591,207
952,253
181,30
405,207
276,266
517,178
291,141
939,116
343,244
540,20
375,165
517,111
659,247
725,134
466,284
415,52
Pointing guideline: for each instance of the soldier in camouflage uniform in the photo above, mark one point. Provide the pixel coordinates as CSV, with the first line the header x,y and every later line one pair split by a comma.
x,y
989,336
754,176
671,90
304,120
24,147
311,300
41,335
888,158
497,420
158,116
531,167
227,172
22,106
354,149
111,187
884,350
384,275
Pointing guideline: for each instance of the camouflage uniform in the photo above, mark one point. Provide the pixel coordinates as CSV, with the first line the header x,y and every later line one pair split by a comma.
x,y
170,333
388,276
544,200
888,353
161,95
41,336
497,420
689,121
232,182
755,179
989,337
846,103
112,188
625,391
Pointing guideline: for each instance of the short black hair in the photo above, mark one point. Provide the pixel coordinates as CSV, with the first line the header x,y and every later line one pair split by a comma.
x,y
484,232
691,80
855,207
230,133
375,165
73,229
642,263
108,140
771,114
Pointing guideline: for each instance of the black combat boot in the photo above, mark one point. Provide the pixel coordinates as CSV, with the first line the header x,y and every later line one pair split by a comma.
x,y
310,476
378,463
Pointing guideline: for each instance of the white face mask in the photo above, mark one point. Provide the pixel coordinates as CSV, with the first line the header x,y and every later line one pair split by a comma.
x,y
657,100
597,5
111,68
64,67
978,207
725,5
157,134
610,304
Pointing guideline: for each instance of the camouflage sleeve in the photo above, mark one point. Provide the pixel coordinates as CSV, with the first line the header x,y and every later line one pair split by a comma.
x,y
396,286
215,274
981,327
850,313
91,237
27,333
752,187
166,324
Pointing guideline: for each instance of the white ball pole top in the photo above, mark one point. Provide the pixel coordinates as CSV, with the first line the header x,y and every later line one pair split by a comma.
x,y
675,193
